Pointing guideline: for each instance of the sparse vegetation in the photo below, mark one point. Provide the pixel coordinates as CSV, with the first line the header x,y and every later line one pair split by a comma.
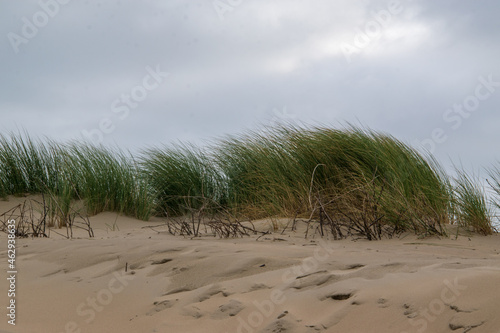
x,y
33,218
344,182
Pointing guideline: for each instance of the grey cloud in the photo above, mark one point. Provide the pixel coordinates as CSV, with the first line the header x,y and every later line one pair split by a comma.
x,y
232,74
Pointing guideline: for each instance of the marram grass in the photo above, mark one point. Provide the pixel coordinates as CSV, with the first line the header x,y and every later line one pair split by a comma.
x,y
182,178
471,206
351,174
104,179
494,183
288,170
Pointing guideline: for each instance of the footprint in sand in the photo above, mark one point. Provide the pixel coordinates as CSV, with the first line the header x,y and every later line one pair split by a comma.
x,y
410,311
161,261
466,319
230,309
339,295
192,311
213,290
160,306
382,303
312,280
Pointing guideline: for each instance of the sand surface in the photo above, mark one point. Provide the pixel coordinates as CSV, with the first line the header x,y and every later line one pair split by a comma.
x,y
279,283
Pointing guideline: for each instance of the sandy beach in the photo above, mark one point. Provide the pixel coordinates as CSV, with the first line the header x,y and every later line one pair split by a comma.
x,y
135,278
233,166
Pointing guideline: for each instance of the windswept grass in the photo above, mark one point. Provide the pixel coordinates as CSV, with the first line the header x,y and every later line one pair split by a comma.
x,y
26,166
471,207
289,171
353,179
105,180
182,178
495,184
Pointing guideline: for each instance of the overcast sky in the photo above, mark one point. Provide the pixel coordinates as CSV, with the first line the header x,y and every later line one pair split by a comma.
x,y
141,73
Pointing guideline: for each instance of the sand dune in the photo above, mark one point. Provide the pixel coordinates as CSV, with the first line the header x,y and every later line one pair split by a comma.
x,y
174,284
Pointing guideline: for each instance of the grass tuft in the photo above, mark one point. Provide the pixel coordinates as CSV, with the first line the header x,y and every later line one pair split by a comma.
x,y
182,178
294,171
471,205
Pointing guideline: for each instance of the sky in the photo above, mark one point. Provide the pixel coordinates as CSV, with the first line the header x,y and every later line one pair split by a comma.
x,y
137,74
